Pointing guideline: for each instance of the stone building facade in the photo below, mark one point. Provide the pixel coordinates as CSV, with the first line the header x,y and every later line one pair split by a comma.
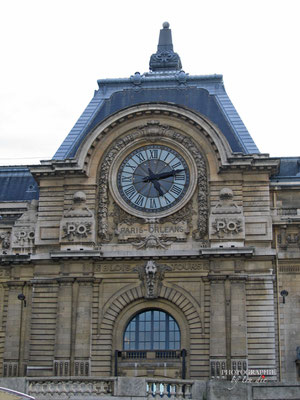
x,y
158,242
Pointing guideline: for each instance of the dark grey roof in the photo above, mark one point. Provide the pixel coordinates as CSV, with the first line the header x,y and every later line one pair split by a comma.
x,y
166,83
203,94
289,169
17,184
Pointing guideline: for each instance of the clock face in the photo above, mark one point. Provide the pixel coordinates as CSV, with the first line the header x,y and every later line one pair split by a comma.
x,y
153,178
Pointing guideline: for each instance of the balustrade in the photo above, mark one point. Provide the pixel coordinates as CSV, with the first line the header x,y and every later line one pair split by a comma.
x,y
169,389
67,387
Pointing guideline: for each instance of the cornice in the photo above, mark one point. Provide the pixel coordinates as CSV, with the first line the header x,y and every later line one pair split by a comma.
x,y
76,255
228,252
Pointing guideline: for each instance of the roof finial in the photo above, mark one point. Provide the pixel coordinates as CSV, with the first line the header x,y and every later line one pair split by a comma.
x,y
165,59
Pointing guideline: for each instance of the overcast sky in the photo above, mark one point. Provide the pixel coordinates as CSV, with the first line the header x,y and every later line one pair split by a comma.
x,y
53,52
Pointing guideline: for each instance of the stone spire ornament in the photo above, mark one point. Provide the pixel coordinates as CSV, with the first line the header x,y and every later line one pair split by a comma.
x,y
165,59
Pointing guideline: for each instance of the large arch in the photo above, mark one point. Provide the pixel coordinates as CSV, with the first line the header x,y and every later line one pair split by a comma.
x,y
181,119
127,302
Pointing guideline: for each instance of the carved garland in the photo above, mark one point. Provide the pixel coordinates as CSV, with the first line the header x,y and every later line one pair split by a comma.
x,y
152,131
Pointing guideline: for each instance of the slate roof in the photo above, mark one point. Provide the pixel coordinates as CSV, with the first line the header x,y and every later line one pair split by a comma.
x,y
17,184
289,169
203,94
165,83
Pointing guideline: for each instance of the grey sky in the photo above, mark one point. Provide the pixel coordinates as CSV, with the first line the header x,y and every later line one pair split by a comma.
x,y
53,52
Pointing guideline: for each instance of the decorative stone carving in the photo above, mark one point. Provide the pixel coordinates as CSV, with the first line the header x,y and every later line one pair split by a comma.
x,y
78,224
5,241
151,275
226,219
289,238
226,205
23,232
79,208
77,230
152,241
152,233
152,131
227,226
185,214
122,217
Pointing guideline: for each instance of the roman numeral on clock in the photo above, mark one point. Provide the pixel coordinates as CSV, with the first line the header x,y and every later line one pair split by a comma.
x,y
176,165
130,192
153,154
127,178
179,177
130,166
153,203
176,190
139,201
140,157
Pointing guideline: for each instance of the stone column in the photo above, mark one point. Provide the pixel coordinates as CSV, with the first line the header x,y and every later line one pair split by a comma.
x,y
83,327
239,352
217,325
63,327
13,330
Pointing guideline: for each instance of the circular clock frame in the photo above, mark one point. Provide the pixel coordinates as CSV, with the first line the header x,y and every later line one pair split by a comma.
x,y
177,149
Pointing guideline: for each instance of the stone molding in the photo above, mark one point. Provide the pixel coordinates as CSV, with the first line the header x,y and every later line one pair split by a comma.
x,y
65,281
85,281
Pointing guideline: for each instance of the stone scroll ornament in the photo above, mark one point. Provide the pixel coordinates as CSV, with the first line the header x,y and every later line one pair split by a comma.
x,y
153,131
151,275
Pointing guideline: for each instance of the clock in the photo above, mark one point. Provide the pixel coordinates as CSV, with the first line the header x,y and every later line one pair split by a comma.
x,y
153,179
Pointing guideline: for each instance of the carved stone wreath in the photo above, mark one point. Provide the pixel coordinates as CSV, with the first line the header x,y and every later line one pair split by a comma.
x,y
152,131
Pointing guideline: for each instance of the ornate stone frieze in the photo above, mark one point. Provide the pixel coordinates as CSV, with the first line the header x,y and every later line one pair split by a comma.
x,y
226,219
113,267
151,275
152,132
78,224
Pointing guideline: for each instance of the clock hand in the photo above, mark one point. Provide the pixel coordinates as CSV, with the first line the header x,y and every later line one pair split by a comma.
x,y
157,187
163,175
168,174
151,176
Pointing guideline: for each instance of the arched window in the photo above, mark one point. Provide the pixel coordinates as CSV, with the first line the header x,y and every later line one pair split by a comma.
x,y
152,330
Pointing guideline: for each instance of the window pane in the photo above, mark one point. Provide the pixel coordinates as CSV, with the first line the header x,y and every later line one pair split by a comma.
x,y
148,326
152,330
156,315
148,316
142,316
